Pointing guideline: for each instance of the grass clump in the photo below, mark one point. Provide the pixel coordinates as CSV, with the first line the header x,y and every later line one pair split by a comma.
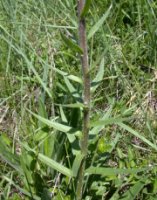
x,y
43,100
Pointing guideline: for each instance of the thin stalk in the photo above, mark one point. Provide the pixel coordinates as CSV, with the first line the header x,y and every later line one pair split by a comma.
x,y
86,98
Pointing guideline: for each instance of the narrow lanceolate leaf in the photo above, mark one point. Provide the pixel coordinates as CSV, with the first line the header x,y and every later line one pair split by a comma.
x,y
108,121
62,114
8,156
75,78
50,162
73,105
53,164
86,8
76,163
112,171
21,190
99,77
55,125
71,44
69,76
135,189
72,89
96,129
136,134
96,27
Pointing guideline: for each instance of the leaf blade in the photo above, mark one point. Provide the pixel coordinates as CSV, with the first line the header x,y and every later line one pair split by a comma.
x,y
55,125
111,171
96,27
71,44
85,8
111,120
134,190
55,165
50,162
135,133
99,76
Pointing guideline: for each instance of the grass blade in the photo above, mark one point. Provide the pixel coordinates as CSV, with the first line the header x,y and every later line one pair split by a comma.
x,y
23,191
95,130
136,134
96,27
29,65
134,190
112,120
76,163
51,163
8,156
111,171
71,44
86,8
69,76
99,76
55,125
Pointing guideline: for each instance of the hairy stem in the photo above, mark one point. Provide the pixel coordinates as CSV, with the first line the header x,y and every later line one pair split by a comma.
x,y
86,98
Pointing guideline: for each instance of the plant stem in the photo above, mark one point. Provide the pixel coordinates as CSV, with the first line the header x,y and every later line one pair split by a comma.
x,y
86,98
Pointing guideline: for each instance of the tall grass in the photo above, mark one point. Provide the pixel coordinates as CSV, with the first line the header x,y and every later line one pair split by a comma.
x,y
41,102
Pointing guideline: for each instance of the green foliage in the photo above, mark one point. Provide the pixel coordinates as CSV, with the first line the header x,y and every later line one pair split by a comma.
x,y
71,44
41,104
86,8
97,26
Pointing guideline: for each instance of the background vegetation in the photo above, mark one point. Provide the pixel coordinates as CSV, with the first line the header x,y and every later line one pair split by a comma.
x,y
41,100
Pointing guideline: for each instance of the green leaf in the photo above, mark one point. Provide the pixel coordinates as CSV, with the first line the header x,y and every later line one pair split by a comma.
x,y
21,190
62,114
50,162
96,27
72,89
6,140
41,110
55,125
99,76
71,44
111,171
77,162
40,136
97,129
30,66
108,121
115,196
25,164
104,145
86,8
72,105
115,141
134,190
8,156
71,137
69,76
75,78
57,166
136,134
